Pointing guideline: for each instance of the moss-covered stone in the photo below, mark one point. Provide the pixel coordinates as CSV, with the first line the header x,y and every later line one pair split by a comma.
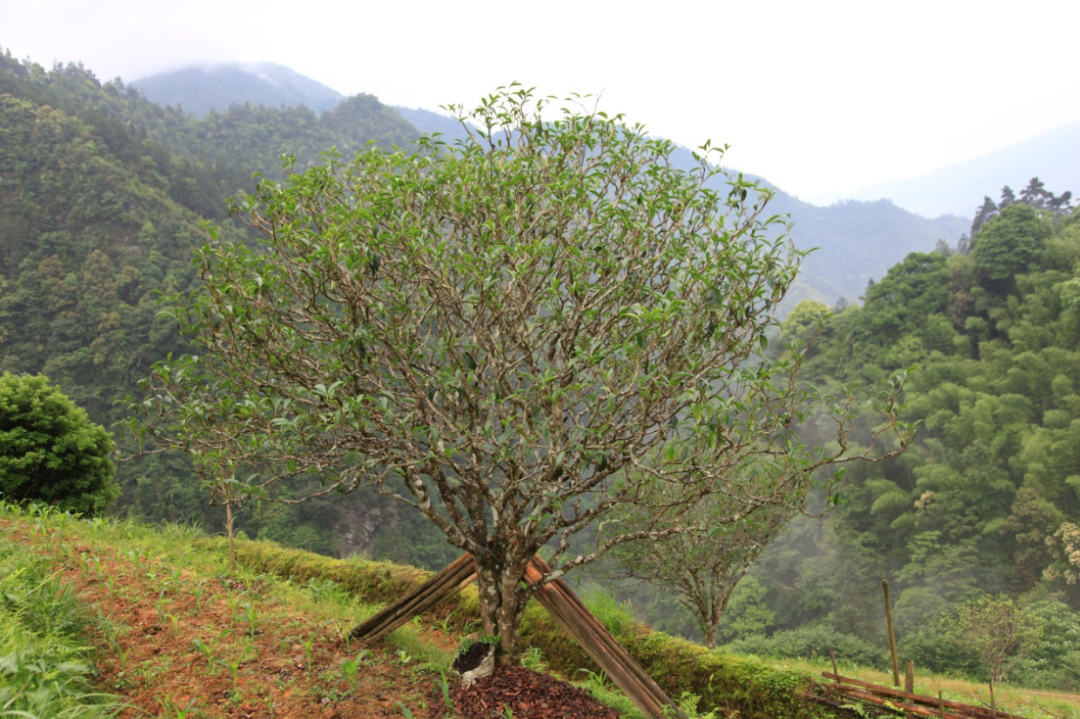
x,y
726,681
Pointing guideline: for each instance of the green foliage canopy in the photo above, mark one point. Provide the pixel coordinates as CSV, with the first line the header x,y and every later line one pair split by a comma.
x,y
1007,243
996,631
50,451
986,500
493,333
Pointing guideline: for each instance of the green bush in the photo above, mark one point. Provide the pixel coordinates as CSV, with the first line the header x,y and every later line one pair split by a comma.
x,y
932,649
1054,663
813,641
50,451
616,616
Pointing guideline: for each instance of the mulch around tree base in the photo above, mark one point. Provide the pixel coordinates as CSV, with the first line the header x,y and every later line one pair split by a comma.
x,y
527,694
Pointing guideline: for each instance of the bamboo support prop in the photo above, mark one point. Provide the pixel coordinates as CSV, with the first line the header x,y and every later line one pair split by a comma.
x,y
563,606
458,575
892,635
570,613
939,704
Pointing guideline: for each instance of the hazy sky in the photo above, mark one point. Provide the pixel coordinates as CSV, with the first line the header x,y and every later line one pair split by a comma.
x,y
814,96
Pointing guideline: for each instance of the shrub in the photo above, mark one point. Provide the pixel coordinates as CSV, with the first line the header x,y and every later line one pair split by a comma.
x,y
1054,663
996,631
933,649
50,451
813,641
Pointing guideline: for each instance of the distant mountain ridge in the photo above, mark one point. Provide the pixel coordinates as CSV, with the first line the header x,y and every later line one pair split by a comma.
x,y
1053,157
858,241
200,89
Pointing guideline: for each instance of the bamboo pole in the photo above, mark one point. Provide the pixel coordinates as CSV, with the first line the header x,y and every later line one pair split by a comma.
x,y
903,706
610,641
456,576
892,635
968,709
568,611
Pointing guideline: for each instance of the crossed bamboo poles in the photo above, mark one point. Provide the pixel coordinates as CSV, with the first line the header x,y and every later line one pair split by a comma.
x,y
564,607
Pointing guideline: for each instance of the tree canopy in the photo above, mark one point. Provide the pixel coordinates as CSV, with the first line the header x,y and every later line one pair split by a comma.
x,y
503,334
987,499
50,451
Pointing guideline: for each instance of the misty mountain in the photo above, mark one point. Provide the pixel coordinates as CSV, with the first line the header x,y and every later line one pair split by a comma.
x,y
199,89
1053,157
429,122
857,240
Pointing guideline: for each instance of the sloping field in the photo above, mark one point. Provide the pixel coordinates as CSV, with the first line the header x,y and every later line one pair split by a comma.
x,y
175,633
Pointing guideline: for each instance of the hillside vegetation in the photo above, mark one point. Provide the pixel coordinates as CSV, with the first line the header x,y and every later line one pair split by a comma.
x,y
102,195
170,630
979,504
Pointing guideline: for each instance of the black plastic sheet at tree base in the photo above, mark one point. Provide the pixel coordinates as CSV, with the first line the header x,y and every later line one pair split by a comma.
x,y
528,695
471,659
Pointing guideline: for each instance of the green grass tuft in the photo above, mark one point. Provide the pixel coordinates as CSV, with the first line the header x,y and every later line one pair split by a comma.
x,y
45,665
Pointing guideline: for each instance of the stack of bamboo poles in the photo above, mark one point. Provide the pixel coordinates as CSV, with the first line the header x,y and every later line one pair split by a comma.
x,y
912,704
458,575
564,607
577,621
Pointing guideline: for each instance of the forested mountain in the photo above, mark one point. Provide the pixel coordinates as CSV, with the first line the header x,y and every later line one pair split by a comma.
x,y
102,194
858,241
1053,156
991,333
430,123
200,89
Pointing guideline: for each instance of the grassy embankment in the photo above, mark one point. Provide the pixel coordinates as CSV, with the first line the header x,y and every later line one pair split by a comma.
x,y
176,634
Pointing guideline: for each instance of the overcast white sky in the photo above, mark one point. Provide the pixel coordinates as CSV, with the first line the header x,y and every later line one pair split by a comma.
x,y
815,96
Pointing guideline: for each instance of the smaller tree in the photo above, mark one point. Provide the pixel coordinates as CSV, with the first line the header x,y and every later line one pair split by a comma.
x,y
703,569
1005,246
50,451
1035,194
986,211
1008,197
997,632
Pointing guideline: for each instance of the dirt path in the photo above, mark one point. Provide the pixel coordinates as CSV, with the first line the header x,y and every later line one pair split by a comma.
x,y
172,643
